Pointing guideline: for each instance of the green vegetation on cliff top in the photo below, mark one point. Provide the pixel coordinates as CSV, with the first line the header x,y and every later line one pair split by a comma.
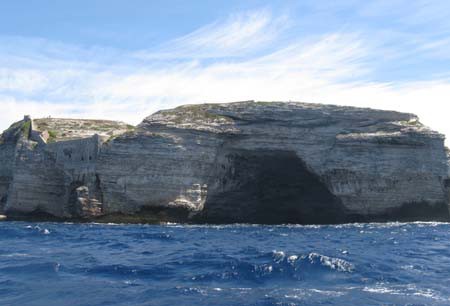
x,y
66,129
15,131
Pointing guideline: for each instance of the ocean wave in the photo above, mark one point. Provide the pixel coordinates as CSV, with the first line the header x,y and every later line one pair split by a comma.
x,y
98,264
337,264
41,268
313,260
15,255
406,290
119,271
275,265
38,229
162,236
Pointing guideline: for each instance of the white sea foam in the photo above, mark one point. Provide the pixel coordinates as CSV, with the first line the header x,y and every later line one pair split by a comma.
x,y
291,259
408,290
337,264
15,255
333,263
278,256
328,292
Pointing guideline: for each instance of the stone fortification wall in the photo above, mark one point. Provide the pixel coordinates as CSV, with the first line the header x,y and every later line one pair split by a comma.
x,y
46,178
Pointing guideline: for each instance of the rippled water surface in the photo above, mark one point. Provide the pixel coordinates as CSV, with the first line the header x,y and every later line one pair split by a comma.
x,y
93,264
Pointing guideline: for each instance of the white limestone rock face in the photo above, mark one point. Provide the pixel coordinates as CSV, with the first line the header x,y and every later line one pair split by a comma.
x,y
38,185
364,164
150,169
55,179
8,144
238,162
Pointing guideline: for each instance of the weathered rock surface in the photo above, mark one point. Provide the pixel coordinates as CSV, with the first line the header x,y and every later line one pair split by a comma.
x,y
238,162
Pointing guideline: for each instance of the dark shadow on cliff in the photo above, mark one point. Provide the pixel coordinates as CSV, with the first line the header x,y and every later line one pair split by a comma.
x,y
410,212
270,187
36,215
149,215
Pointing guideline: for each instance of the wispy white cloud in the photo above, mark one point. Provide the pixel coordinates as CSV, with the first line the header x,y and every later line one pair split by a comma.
x,y
236,36
438,48
24,80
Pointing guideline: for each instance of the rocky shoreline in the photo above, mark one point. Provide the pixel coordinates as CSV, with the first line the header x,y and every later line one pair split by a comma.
x,y
243,162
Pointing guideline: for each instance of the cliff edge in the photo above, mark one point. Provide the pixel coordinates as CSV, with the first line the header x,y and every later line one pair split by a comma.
x,y
255,162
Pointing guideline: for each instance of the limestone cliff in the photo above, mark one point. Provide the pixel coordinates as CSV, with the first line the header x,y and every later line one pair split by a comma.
x,y
51,160
238,162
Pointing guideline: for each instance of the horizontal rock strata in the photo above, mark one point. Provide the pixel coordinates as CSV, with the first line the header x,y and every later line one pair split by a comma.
x,y
257,162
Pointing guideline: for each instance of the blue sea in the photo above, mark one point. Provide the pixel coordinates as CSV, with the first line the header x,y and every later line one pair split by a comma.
x,y
107,264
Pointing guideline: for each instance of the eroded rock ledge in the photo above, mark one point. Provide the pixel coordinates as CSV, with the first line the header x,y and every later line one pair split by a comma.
x,y
253,162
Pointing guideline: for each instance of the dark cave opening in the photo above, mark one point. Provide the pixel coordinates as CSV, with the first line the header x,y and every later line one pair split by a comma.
x,y
270,187
447,183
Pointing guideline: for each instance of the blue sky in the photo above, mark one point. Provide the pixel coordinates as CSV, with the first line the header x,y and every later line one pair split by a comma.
x,y
123,60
